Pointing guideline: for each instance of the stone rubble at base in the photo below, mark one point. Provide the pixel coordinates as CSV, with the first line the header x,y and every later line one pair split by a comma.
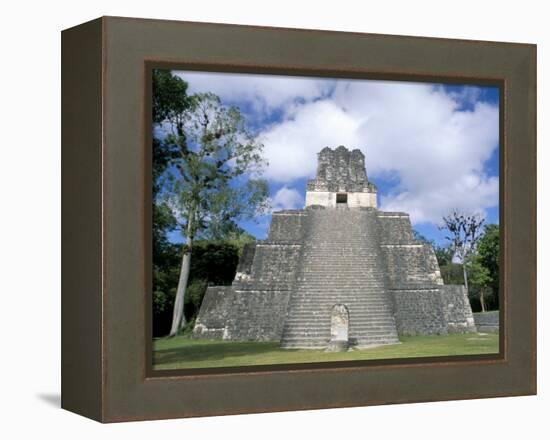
x,y
339,251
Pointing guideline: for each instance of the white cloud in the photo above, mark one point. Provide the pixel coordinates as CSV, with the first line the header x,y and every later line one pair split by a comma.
x,y
291,147
471,194
287,198
417,133
263,92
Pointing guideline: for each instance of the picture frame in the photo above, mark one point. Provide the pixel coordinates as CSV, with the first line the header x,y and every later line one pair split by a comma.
x,y
106,219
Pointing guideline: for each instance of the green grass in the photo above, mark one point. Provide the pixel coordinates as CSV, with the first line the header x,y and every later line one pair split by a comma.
x,y
183,352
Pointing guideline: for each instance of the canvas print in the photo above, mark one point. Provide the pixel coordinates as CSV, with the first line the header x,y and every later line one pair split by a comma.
x,y
304,220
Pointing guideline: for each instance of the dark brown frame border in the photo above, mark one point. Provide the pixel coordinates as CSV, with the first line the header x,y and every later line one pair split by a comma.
x,y
106,181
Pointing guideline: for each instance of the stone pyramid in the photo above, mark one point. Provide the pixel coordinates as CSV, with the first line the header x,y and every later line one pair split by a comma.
x,y
337,274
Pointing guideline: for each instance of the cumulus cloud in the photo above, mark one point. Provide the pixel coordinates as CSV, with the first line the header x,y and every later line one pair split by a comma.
x,y
291,146
287,198
264,92
427,144
415,132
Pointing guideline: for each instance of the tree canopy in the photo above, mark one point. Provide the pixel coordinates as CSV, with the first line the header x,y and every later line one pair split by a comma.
x,y
207,173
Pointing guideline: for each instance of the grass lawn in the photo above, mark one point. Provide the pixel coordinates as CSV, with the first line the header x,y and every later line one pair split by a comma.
x,y
183,352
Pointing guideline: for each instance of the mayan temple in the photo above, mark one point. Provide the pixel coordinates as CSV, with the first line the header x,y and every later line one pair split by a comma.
x,y
337,274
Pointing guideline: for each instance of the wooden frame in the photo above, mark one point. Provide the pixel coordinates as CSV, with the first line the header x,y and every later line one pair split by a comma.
x,y
106,255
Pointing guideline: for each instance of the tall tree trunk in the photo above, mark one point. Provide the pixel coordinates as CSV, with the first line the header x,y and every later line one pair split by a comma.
x,y
178,316
482,300
465,275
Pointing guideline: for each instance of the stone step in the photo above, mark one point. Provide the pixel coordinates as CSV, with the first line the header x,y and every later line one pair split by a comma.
x,y
372,321
348,302
318,331
362,338
340,266
306,313
322,341
328,305
309,309
334,294
359,338
331,273
387,326
314,287
354,254
321,286
326,322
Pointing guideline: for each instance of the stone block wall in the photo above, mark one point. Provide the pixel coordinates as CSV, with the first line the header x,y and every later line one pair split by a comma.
x,y
395,228
419,312
244,268
457,310
257,315
408,265
214,313
328,199
487,321
256,307
287,226
434,273
273,268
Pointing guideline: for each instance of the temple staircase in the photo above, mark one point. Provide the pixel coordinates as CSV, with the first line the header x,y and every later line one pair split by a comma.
x,y
341,263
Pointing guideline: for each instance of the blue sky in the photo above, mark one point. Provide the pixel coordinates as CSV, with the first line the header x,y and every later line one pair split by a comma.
x,y
429,148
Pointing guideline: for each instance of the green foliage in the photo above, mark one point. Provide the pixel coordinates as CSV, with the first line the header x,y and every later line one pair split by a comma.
x,y
206,177
169,96
480,281
489,253
217,180
240,240
482,267
478,274
212,263
166,262
452,273
444,254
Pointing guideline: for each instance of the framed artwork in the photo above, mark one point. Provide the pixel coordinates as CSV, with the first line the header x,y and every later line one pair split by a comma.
x,y
265,219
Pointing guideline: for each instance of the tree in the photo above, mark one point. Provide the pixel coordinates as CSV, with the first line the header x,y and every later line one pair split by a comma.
x,y
489,254
464,233
443,254
422,238
169,99
215,179
452,273
480,279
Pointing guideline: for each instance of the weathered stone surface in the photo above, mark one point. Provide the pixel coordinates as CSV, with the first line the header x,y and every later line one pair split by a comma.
x,y
339,328
487,321
216,308
341,262
354,257
419,312
458,312
341,179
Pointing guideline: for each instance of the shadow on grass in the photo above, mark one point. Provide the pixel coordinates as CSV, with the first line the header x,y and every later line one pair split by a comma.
x,y
184,352
208,351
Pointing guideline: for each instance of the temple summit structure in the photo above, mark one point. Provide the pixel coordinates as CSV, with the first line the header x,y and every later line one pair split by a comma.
x,y
337,274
